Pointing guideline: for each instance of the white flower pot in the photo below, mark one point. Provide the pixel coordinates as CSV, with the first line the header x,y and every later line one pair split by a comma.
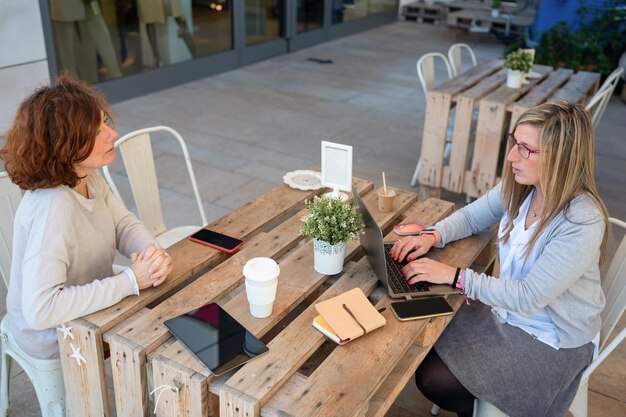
x,y
327,258
514,78
495,13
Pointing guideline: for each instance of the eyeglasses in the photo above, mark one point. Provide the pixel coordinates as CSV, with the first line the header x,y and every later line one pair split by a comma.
x,y
524,152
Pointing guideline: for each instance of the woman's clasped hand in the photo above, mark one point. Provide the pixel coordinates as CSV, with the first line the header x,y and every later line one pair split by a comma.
x,y
151,266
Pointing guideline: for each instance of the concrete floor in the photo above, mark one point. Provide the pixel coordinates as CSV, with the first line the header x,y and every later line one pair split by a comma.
x,y
246,128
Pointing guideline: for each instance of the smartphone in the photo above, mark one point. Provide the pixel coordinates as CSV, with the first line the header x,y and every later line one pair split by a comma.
x,y
216,240
421,308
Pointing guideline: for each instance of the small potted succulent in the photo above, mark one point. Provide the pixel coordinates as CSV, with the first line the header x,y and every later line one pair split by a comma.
x,y
332,223
518,63
496,5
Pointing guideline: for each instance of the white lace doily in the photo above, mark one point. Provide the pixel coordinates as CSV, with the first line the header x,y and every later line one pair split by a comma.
x,y
303,180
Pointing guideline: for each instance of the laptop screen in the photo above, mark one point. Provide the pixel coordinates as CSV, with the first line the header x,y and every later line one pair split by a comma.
x,y
372,241
215,338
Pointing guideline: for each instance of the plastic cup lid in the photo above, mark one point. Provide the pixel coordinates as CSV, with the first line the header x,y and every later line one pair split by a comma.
x,y
261,269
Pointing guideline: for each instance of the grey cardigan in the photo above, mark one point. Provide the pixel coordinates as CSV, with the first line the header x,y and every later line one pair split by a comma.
x,y
565,279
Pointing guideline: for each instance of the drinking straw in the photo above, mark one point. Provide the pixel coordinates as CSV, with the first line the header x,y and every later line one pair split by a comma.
x,y
384,184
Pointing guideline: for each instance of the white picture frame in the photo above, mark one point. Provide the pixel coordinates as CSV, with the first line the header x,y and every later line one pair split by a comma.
x,y
336,166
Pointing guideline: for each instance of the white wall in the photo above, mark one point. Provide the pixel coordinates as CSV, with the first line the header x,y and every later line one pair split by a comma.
x,y
23,61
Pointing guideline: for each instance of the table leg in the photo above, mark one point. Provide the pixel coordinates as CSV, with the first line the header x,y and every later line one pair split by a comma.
x,y
128,363
489,132
434,138
85,386
191,399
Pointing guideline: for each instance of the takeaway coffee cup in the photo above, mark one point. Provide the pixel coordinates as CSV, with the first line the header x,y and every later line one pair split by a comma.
x,y
385,201
261,277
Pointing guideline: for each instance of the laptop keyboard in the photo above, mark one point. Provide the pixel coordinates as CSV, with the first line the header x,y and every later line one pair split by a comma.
x,y
396,280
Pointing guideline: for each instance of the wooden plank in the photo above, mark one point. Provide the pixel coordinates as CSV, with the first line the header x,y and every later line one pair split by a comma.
x,y
193,393
138,337
470,77
454,177
491,123
508,95
85,386
428,212
405,369
434,138
272,409
580,86
353,373
540,93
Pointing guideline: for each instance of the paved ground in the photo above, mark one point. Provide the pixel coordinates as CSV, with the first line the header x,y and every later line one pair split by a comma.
x,y
248,127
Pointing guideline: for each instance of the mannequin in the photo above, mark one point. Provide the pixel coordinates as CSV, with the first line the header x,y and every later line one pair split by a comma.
x,y
80,30
152,12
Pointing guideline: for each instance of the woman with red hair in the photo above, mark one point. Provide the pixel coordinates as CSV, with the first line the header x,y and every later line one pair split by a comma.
x,y
69,224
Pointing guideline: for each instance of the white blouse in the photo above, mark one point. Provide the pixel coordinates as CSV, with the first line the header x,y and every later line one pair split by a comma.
x,y
515,265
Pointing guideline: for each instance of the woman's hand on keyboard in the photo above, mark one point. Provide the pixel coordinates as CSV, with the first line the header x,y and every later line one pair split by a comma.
x,y
411,247
425,269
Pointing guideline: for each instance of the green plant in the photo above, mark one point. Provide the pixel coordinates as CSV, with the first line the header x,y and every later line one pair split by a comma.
x,y
331,220
518,60
496,4
596,45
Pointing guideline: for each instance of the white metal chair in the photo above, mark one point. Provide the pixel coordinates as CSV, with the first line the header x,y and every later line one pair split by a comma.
x,y
426,70
428,80
455,56
614,287
45,375
138,159
601,98
10,196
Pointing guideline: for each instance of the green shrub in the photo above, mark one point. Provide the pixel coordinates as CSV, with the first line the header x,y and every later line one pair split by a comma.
x,y
595,46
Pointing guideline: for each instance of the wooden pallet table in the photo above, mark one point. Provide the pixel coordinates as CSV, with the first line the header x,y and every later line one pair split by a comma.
x,y
361,378
481,20
132,343
86,391
479,142
422,12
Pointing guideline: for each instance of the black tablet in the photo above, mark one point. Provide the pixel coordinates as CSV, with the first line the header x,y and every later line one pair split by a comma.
x,y
215,338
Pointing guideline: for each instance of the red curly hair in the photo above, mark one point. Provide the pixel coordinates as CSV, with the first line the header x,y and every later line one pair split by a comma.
x,y
53,129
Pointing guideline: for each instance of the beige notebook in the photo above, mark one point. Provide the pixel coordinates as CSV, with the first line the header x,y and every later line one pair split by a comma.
x,y
350,314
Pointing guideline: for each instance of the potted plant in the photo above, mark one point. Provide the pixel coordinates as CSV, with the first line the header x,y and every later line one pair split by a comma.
x,y
332,223
495,8
518,63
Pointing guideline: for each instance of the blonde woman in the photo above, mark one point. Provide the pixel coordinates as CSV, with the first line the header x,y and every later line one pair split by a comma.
x,y
524,341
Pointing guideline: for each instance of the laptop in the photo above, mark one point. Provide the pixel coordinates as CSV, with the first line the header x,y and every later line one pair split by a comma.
x,y
387,270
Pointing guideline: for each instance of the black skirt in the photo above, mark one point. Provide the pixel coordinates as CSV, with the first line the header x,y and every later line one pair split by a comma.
x,y
508,367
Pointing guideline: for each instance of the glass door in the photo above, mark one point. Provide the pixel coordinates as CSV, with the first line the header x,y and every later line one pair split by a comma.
x,y
273,27
262,29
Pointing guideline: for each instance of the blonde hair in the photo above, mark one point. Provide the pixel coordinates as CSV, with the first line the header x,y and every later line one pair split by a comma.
x,y
566,166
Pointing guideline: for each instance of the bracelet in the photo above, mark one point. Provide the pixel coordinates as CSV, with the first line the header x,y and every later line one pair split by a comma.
x,y
456,277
